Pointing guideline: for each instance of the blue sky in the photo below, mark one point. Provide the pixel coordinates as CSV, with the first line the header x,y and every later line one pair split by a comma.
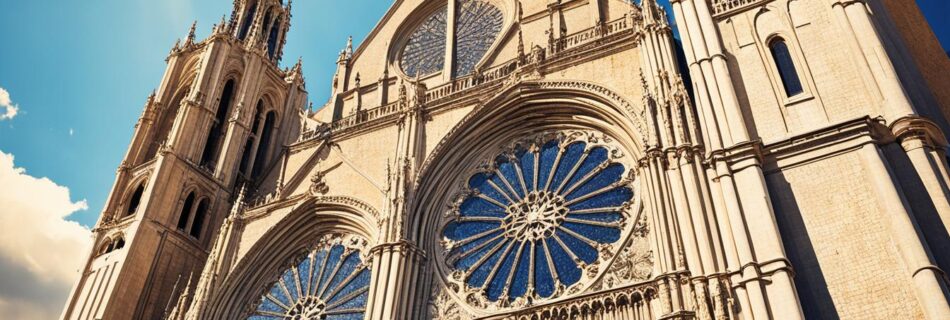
x,y
79,72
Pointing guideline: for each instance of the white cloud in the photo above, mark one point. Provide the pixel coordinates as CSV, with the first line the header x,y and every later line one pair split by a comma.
x,y
41,253
7,104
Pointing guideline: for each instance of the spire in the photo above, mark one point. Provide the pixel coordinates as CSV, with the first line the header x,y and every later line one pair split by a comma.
x,y
653,13
190,39
221,27
178,312
520,34
298,67
349,47
238,203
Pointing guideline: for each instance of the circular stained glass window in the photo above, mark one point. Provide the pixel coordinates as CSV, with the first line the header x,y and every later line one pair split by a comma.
x,y
477,25
330,282
539,220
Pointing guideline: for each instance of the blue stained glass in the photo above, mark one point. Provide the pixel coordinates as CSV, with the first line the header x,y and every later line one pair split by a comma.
x,y
360,282
596,233
319,261
278,294
473,257
569,159
335,254
578,208
268,305
565,266
480,273
476,242
548,154
304,269
507,168
598,217
594,159
527,167
498,181
458,231
543,276
580,248
599,181
341,294
519,284
291,282
612,198
498,283
481,207
355,302
347,269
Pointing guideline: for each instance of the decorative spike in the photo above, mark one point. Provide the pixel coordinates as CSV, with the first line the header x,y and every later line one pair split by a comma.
x,y
349,47
239,202
190,39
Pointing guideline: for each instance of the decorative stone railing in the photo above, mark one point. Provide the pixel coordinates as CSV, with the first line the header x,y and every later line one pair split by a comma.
x,y
351,121
637,301
583,39
477,79
592,34
726,7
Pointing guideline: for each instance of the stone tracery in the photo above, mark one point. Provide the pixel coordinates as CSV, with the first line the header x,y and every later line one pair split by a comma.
x,y
538,221
477,25
331,281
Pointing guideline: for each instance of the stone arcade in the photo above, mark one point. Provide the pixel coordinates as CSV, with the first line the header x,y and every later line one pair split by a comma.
x,y
541,159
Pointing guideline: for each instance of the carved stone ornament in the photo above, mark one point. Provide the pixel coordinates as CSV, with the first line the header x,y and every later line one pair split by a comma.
x,y
318,184
538,222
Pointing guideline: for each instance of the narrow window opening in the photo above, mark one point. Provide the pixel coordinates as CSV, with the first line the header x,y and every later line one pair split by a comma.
x,y
244,168
199,219
264,145
264,24
272,39
119,244
218,127
786,67
248,20
135,200
186,212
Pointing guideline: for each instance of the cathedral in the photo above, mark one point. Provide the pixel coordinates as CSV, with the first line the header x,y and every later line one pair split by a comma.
x,y
541,159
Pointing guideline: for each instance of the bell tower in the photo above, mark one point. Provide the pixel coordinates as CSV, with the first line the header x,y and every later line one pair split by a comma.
x,y
216,125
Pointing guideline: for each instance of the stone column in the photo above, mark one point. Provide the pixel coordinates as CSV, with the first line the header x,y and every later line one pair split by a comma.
x,y
928,281
397,282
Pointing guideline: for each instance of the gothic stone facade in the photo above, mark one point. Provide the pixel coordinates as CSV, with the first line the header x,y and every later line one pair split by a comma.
x,y
542,159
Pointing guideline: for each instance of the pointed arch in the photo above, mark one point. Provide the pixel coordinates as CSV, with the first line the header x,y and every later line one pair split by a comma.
x,y
293,235
135,200
219,127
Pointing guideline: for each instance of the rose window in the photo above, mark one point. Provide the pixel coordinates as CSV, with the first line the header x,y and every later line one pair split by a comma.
x,y
539,220
477,25
331,282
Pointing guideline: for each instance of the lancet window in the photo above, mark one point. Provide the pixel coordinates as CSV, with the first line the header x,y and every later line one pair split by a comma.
x,y
218,129
786,67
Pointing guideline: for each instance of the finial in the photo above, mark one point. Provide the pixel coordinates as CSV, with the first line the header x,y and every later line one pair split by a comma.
x,y
349,47
191,33
239,202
